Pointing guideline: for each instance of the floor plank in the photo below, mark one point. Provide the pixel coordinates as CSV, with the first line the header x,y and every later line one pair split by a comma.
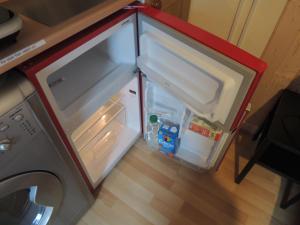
x,y
146,188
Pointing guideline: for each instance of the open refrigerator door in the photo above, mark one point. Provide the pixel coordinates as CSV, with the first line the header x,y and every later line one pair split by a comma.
x,y
193,94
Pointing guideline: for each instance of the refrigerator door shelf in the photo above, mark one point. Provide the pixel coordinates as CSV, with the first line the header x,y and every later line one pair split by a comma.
x,y
200,151
160,102
193,148
209,85
206,89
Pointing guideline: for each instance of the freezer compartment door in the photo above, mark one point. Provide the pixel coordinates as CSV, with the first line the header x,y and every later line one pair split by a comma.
x,y
210,84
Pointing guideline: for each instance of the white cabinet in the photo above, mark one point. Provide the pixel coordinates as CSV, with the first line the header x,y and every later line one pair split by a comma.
x,y
260,25
241,16
248,24
215,16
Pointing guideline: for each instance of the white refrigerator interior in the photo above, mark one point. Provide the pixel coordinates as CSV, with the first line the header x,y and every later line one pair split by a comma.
x,y
194,148
95,93
113,131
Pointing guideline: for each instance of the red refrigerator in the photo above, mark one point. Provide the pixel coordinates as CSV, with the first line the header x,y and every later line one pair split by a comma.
x,y
101,85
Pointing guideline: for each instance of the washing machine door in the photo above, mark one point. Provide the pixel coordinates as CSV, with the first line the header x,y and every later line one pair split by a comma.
x,y
30,199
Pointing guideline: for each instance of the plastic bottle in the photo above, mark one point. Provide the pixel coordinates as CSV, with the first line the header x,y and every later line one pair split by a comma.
x,y
152,134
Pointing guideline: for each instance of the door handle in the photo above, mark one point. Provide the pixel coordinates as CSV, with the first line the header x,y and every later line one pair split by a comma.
x,y
56,82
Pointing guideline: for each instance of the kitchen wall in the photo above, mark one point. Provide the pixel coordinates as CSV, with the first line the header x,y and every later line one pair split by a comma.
x,y
179,8
248,24
215,16
283,57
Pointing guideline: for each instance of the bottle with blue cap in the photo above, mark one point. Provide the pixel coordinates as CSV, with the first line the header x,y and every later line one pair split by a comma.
x,y
152,132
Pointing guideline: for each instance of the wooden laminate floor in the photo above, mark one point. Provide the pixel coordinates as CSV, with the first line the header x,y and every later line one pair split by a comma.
x,y
146,188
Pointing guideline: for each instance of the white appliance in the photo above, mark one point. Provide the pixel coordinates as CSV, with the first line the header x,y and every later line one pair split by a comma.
x,y
100,86
10,26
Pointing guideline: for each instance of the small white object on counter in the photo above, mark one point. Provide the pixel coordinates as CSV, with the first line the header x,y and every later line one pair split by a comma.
x,y
21,52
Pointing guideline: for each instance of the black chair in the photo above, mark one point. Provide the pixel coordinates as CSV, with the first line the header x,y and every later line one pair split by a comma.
x,y
278,147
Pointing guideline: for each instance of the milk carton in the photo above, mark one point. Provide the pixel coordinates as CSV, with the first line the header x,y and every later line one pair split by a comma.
x,y
168,138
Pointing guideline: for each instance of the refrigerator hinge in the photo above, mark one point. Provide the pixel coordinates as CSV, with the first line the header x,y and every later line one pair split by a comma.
x,y
137,70
138,6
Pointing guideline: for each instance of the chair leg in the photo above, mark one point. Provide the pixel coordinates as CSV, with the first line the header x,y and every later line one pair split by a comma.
x,y
286,194
266,123
263,128
286,202
259,151
247,168
258,132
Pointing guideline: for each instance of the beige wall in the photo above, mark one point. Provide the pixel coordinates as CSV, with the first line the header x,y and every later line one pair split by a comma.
x,y
283,57
259,26
215,16
179,8
246,23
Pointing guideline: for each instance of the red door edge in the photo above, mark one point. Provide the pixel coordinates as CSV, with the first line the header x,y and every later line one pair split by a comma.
x,y
34,65
217,44
236,133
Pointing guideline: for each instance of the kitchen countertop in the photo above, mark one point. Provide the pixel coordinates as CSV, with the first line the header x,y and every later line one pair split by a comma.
x,y
34,32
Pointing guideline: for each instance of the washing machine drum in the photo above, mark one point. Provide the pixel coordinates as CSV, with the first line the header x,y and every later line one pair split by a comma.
x,y
30,199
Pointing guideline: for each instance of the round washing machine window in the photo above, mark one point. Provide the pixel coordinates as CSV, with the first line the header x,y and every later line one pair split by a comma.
x,y
21,208
30,199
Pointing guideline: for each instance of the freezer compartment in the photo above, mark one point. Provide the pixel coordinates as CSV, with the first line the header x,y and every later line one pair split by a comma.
x,y
194,148
209,87
107,135
81,81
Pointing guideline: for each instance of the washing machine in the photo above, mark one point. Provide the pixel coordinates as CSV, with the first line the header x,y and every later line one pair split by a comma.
x,y
39,183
